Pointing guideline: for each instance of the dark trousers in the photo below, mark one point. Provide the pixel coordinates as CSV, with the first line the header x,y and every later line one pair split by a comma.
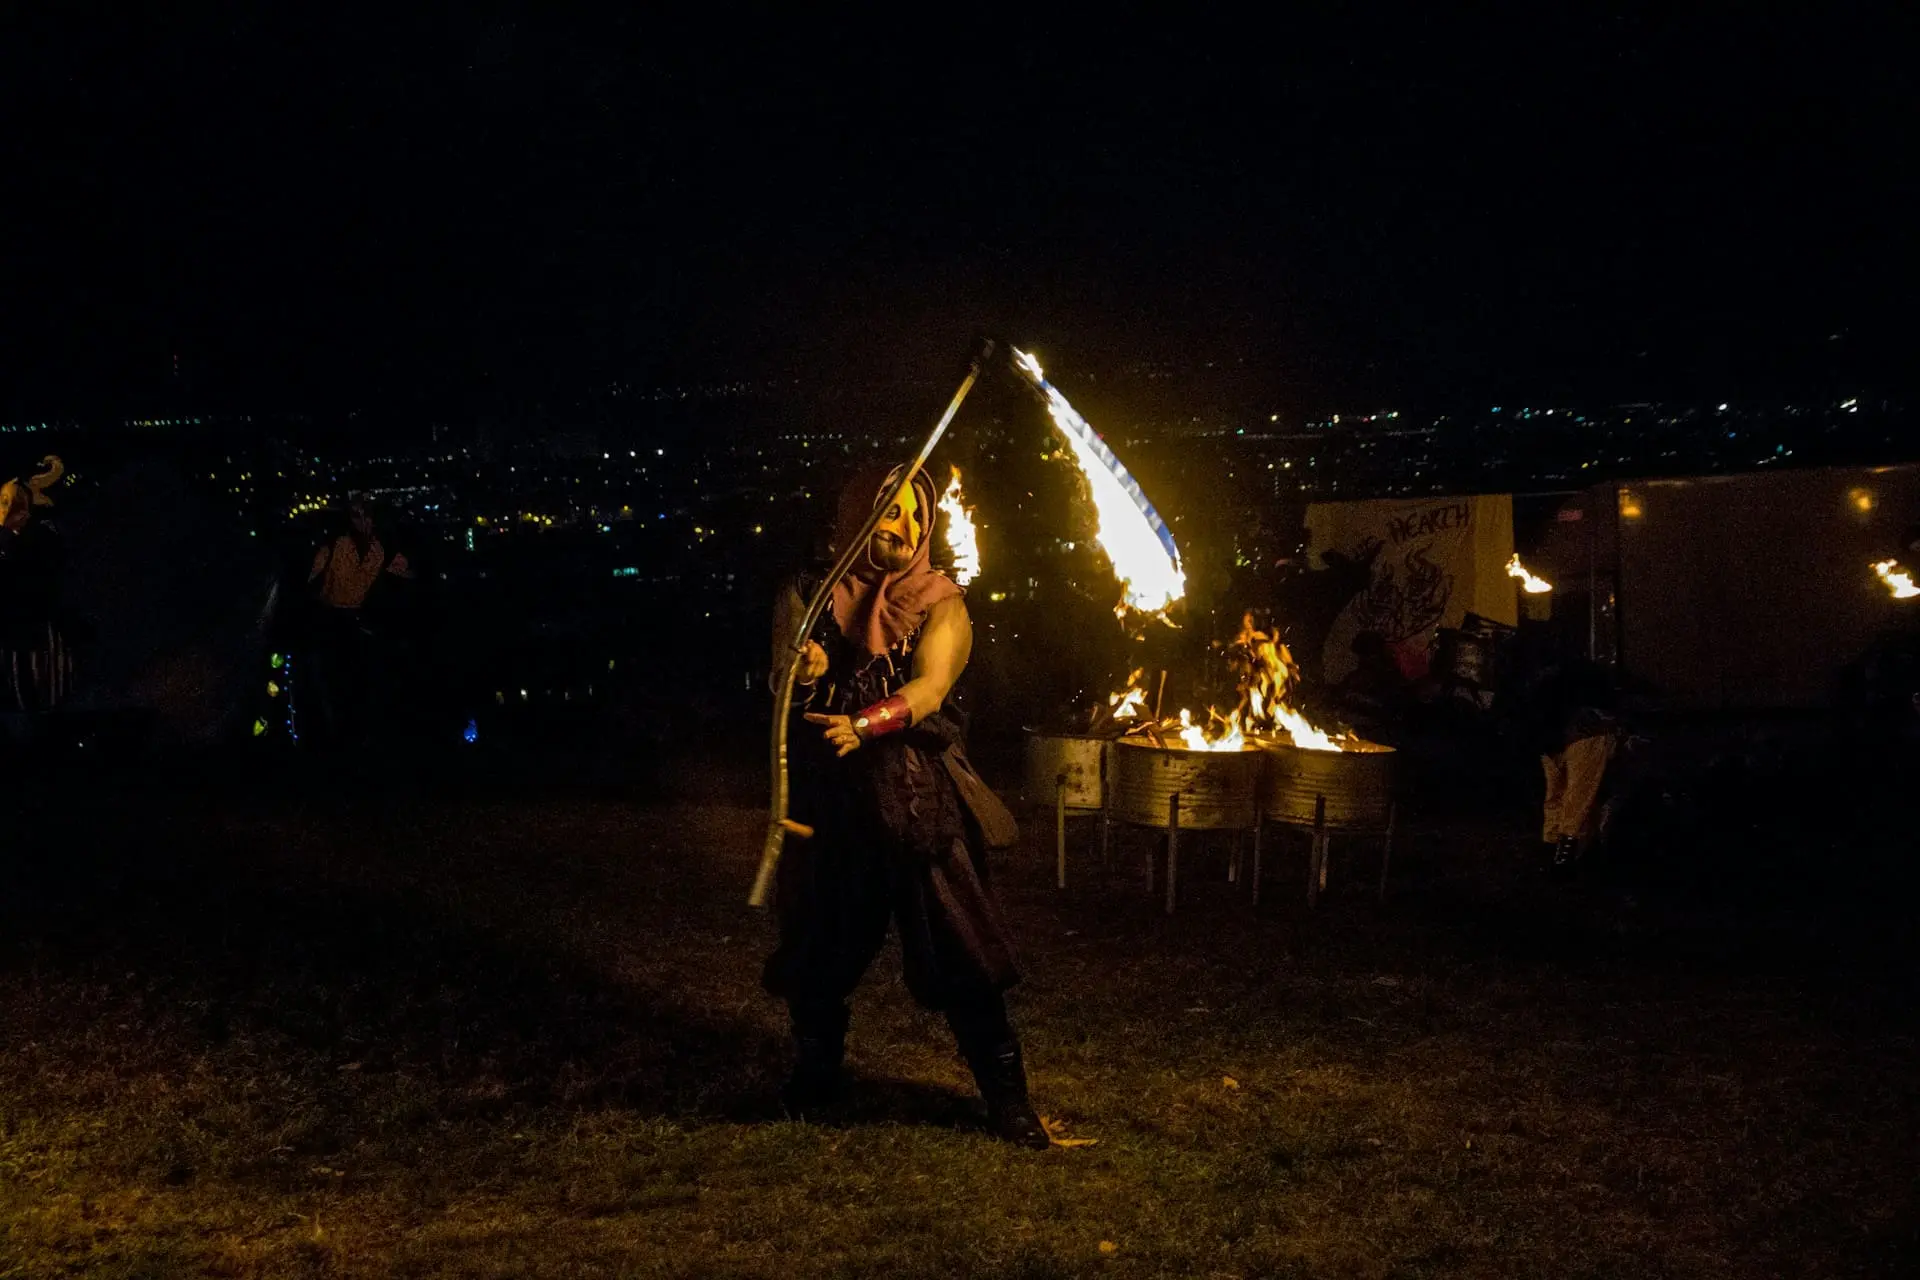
x,y
340,672
837,899
978,1024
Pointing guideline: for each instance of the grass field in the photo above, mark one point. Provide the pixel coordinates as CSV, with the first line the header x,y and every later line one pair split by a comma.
x,y
370,1030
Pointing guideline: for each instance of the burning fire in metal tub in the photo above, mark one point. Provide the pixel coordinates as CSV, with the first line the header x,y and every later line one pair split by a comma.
x,y
1262,709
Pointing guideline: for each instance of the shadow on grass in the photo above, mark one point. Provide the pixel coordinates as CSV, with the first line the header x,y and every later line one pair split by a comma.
x,y
150,914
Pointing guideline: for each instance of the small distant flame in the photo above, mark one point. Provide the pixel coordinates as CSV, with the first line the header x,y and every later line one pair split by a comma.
x,y
1532,585
1898,580
962,541
1136,544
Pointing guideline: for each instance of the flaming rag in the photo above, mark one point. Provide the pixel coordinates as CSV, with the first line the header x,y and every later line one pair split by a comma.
x,y
901,824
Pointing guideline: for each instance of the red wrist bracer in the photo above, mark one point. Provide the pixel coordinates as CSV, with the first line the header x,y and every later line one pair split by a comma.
x,y
889,715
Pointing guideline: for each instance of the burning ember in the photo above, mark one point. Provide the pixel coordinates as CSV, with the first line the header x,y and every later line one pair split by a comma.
x,y
961,539
1137,543
1532,585
1129,704
1898,580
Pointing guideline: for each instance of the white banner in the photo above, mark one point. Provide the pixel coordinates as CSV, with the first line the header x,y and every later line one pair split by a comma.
x,y
1437,560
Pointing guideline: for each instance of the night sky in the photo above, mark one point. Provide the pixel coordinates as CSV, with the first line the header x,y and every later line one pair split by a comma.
x,y
513,204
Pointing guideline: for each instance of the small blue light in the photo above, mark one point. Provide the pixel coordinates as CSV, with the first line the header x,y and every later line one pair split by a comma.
x,y
472,732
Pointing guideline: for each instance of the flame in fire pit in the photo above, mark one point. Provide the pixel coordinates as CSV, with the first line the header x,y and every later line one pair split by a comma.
x,y
1898,580
1128,529
1263,709
1129,704
1194,738
1532,585
1301,730
961,539
1270,670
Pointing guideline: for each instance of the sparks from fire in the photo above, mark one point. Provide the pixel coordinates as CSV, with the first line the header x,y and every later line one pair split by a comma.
x,y
1143,556
1532,585
1898,580
962,541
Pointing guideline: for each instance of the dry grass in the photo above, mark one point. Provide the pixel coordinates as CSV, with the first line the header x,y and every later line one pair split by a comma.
x,y
521,1035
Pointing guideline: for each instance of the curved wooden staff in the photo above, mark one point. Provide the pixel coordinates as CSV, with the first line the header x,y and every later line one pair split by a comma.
x,y
778,823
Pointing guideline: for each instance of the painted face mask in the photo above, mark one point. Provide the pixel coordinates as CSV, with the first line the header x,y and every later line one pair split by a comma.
x,y
14,505
904,519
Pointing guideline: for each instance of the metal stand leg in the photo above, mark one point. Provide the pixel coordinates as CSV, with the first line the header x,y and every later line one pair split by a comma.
x,y
1233,861
1106,827
1173,848
1386,849
1316,856
1151,854
1060,832
1258,825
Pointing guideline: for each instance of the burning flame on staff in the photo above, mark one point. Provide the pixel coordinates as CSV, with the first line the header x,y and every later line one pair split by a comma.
x,y
1529,583
962,540
1898,580
1146,563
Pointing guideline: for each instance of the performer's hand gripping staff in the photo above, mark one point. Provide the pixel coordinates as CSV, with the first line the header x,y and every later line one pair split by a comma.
x,y
882,716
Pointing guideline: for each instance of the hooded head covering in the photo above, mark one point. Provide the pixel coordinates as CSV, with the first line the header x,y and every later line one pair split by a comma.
x,y
877,609
19,496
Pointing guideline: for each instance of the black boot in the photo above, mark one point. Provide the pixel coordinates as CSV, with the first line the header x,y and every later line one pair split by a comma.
x,y
820,1046
993,1051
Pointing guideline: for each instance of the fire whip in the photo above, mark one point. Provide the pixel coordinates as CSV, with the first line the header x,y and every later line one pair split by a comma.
x,y
778,823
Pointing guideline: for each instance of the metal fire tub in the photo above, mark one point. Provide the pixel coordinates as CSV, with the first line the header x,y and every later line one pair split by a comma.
x,y
1218,790
1357,784
1082,759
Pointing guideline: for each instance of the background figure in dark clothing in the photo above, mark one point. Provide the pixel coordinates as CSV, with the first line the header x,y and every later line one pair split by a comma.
x,y
1565,711
1375,694
900,820
35,666
345,654
1307,604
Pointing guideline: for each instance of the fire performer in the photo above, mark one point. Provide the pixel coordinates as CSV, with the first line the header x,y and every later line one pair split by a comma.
x,y
901,822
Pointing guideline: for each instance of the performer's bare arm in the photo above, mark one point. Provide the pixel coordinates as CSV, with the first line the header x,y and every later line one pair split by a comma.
x,y
788,612
946,642
945,645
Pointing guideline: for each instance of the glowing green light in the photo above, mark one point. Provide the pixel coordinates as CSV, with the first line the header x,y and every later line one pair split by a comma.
x,y
279,661
259,728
